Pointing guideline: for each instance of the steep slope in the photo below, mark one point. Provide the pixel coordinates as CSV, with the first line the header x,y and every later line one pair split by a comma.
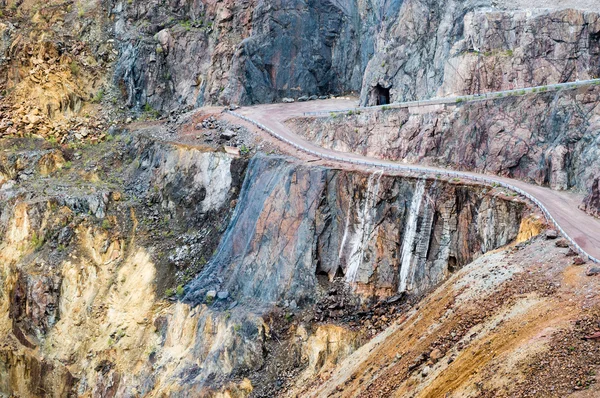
x,y
515,323
93,272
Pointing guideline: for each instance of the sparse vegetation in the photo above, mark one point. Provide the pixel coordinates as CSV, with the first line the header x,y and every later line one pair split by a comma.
x,y
37,241
150,113
98,97
106,224
187,25
75,69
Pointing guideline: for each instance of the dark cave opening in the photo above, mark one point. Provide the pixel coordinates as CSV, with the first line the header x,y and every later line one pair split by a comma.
x,y
380,95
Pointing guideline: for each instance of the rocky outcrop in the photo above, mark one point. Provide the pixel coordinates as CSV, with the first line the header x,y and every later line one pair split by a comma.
x,y
52,80
509,50
248,52
591,204
454,47
548,139
170,56
98,288
385,235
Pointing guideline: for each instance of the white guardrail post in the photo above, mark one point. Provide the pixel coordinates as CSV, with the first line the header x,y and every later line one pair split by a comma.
x,y
454,174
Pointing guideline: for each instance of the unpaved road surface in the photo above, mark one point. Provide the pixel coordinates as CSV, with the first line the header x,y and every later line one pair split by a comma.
x,y
563,206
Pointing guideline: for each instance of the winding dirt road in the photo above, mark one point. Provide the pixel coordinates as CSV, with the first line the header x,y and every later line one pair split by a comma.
x,y
578,226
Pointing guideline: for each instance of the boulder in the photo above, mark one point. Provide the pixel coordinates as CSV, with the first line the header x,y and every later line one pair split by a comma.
x,y
223,295
591,203
231,150
228,135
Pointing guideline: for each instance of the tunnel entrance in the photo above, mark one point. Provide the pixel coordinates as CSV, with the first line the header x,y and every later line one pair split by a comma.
x,y
380,95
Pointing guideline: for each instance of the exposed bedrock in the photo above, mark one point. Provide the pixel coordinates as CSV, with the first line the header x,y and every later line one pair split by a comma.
x,y
548,139
384,234
82,307
591,204
454,47
174,55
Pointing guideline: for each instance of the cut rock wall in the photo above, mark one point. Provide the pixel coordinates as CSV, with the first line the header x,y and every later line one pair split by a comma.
x,y
305,221
548,139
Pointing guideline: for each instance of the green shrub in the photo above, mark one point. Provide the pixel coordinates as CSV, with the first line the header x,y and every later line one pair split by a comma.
x,y
37,241
74,68
98,97
150,113
187,25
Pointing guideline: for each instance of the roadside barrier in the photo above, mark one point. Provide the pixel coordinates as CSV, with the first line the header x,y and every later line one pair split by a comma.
x,y
464,98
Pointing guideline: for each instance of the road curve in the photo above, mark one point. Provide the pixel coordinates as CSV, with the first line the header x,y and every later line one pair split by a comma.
x,y
561,208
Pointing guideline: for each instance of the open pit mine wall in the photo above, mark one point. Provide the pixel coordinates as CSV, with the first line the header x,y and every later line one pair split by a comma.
x,y
385,235
90,317
549,139
174,54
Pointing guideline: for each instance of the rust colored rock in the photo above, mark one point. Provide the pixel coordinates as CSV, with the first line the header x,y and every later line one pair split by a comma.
x,y
594,336
591,203
593,271
436,354
580,261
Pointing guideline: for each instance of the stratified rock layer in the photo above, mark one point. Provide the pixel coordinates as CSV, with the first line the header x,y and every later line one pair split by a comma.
x,y
384,234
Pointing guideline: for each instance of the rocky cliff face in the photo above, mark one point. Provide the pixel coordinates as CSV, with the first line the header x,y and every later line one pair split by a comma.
x,y
256,52
508,50
384,235
135,267
165,56
174,56
86,263
453,48
88,271
548,139
591,204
